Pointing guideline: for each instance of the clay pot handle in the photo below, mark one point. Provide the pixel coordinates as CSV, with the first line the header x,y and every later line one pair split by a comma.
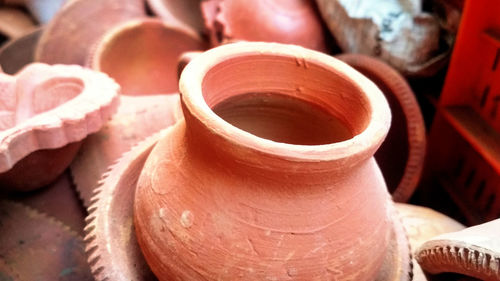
x,y
474,251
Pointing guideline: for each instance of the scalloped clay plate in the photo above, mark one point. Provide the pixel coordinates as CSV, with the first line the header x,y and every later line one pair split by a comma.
x,y
44,112
111,242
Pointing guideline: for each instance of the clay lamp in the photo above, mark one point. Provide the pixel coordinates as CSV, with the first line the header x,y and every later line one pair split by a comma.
x,y
292,22
185,13
271,173
401,156
141,55
45,112
79,24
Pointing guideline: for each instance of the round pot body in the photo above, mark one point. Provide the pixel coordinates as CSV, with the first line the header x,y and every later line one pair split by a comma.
x,y
271,174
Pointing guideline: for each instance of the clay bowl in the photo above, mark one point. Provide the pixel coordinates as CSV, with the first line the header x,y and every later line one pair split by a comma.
x,y
78,26
185,13
17,53
401,156
291,22
141,55
46,111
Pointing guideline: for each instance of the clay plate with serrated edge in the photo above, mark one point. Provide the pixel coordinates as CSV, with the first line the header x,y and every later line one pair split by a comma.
x,y
474,251
113,252
39,247
46,108
79,24
137,118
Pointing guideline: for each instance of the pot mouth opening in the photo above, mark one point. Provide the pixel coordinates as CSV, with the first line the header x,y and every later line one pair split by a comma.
x,y
284,99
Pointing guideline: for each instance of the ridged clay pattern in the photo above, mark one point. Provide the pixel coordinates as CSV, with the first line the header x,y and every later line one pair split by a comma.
x,y
47,107
39,247
401,156
474,251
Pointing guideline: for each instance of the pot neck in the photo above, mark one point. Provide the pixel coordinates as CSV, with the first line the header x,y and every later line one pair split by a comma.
x,y
311,77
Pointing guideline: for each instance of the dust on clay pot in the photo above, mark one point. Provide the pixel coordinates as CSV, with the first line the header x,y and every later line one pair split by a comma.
x,y
45,112
141,55
291,22
271,173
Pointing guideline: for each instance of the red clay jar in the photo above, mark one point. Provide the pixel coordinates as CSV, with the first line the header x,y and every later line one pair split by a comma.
x,y
292,22
141,55
271,174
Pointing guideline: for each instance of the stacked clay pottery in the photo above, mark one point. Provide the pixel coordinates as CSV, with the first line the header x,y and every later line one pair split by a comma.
x,y
46,112
141,55
401,156
271,173
292,22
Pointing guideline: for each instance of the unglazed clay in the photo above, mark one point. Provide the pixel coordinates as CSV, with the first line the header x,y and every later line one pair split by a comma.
x,y
15,22
474,251
17,53
141,55
137,118
292,22
279,182
186,13
111,241
45,111
78,26
38,247
401,156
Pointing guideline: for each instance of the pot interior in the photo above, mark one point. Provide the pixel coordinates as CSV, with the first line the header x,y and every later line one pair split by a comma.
x,y
287,100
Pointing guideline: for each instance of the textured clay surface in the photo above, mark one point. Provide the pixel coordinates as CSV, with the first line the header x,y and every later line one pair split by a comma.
x,y
216,202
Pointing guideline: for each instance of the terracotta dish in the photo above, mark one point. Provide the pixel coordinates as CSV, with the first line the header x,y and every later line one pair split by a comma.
x,y
78,26
401,156
45,112
141,55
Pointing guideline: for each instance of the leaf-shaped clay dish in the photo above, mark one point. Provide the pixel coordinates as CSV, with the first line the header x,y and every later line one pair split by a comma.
x,y
43,108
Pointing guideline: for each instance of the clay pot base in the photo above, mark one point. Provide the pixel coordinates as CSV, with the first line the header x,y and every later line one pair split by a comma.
x,y
136,119
38,247
110,236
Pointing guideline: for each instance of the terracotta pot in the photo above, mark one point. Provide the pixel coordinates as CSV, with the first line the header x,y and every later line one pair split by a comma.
x,y
474,251
401,156
185,13
142,55
14,22
19,52
79,24
271,175
292,22
46,111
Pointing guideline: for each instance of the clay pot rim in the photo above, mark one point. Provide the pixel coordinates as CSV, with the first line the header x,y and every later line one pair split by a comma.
x,y
66,123
360,147
94,56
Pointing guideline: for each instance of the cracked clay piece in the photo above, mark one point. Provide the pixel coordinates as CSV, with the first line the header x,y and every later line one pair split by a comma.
x,y
79,24
474,251
186,13
248,185
37,247
45,111
291,22
401,156
142,55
